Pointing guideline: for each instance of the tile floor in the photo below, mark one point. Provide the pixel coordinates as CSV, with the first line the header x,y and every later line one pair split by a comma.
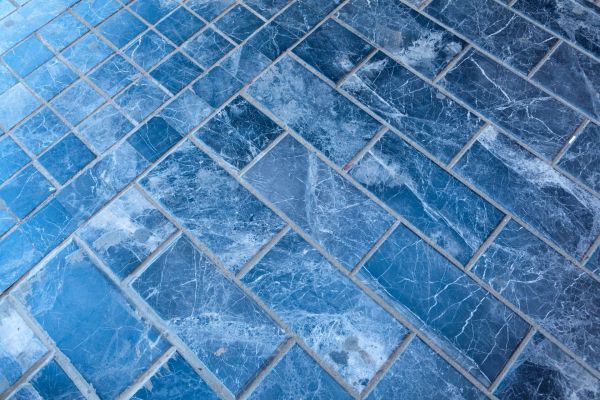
x,y
300,199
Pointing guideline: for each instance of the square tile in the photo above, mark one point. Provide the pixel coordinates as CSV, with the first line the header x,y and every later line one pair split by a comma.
x,y
238,23
148,49
41,130
25,191
180,25
176,72
141,98
27,56
63,31
66,158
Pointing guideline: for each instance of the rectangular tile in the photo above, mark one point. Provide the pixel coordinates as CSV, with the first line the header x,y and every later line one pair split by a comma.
x,y
186,111
459,315
7,220
272,40
51,382
217,86
27,56
51,79
209,9
153,10
267,8
114,75
7,79
245,63
562,211
179,26
176,72
96,11
208,47
582,159
62,31
49,226
532,116
148,49
87,53
121,28
324,204
17,256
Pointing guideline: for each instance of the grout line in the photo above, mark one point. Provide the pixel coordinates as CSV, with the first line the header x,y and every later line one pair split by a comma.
x,y
488,242
358,66
375,247
255,259
370,143
595,246
571,140
23,380
509,363
541,62
452,63
456,158
146,375
425,3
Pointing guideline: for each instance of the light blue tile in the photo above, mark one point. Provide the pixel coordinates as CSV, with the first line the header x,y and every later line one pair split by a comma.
x,y
121,28
7,220
51,382
103,128
63,31
87,53
49,226
299,18
238,23
26,392
593,263
15,104
176,72
25,191
180,25
153,10
27,56
334,317
141,98
148,49
77,102
326,206
582,159
6,7
66,158
207,47
17,256
96,11
41,130
154,138
114,75
51,79
7,79
12,158
213,317
245,63
186,111
121,166
217,86
209,9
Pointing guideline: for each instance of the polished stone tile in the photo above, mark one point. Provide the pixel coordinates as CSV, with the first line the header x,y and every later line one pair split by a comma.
x,y
87,53
217,86
186,111
267,8
82,94
121,28
51,382
582,159
51,79
17,256
66,158
238,23
153,10
27,56
148,49
40,131
25,191
63,31
176,72
179,26
154,138
141,98
7,79
272,40
207,47
15,104
114,75
103,128
96,11
12,158
209,9
7,220
245,63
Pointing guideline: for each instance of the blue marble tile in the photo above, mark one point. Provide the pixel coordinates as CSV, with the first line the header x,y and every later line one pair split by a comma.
x,y
141,98
221,213
539,120
126,232
121,28
6,8
15,104
175,380
297,375
413,106
411,38
50,79
420,373
12,158
121,166
238,133
498,30
96,11
51,382
207,47
325,118
70,298
267,8
114,75
63,31
272,40
153,10
27,56
17,256
336,319
543,371
298,18
81,94
582,159
245,63
572,21
326,206
239,23
459,315
333,50
66,158
25,191
87,53
154,138
453,216
209,9
148,49
217,86
559,296
180,25
20,349
573,76
7,80
176,72
186,112
554,205
26,392
49,226
211,315
41,130
7,220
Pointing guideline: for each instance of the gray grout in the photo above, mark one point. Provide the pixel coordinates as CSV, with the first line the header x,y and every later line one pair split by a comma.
x,y
487,243
570,142
23,380
542,60
149,373
514,356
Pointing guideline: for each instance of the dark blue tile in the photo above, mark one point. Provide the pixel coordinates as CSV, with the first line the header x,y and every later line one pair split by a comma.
x,y
543,371
17,256
77,102
63,31
141,98
593,264
411,38
7,80
49,226
420,373
272,40
180,25
176,73
50,79
456,218
209,9
15,104
540,121
221,213
493,27
25,191
148,50
96,11
176,379
326,206
298,376
186,112
582,159
121,166
51,382
298,19
153,10
333,50
121,28
66,158
532,190
333,316
207,47
12,158
154,138
477,330
40,131
573,76
238,133
413,106
267,8
87,53
245,63
211,315
114,75
217,86
239,23
325,118
27,56
70,298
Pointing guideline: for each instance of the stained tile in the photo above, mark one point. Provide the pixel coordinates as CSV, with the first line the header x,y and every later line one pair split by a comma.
x,y
321,115
63,31
148,49
41,130
217,86
239,23
272,40
326,206
153,10
70,298
339,321
51,79
51,382
176,380
554,205
176,73
420,373
15,104
212,205
207,47
543,371
238,133
297,375
17,256
245,63
411,38
456,219
535,118
459,315
7,80
141,98
154,138
114,75
12,158
186,111
66,158
209,9
179,26
87,53
25,191
27,56
413,106
96,11
81,94
498,30
213,317
582,159
121,28
267,8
